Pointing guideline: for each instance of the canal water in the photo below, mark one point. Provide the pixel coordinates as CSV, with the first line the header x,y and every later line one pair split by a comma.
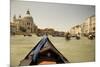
x,y
75,51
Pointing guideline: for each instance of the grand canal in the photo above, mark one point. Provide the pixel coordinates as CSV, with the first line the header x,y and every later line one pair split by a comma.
x,y
82,50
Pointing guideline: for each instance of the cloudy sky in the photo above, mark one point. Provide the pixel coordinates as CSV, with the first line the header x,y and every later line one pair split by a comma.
x,y
61,17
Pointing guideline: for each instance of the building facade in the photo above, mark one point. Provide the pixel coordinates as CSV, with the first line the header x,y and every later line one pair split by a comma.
x,y
24,24
89,25
86,26
92,24
75,30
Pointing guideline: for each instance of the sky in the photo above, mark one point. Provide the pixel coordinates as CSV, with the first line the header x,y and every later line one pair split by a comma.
x,y
60,17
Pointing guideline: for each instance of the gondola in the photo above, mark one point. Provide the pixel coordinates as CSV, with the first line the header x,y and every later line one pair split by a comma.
x,y
68,36
43,53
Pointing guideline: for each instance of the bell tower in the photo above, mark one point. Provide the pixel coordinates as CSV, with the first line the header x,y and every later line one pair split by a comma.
x,y
14,18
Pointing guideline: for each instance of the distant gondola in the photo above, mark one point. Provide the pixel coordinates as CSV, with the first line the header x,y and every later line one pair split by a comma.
x,y
91,36
77,37
43,53
68,36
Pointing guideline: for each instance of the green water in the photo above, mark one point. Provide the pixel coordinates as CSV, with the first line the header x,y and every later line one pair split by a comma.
x,y
82,50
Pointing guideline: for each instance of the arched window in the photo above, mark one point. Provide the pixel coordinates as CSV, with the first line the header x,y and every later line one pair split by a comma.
x,y
28,27
28,23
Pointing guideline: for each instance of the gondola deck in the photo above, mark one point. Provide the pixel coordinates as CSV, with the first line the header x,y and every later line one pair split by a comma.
x,y
43,53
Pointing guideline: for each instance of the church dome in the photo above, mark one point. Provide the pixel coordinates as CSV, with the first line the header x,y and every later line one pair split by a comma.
x,y
28,16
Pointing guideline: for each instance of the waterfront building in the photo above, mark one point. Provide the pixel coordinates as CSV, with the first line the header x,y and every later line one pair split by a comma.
x,y
75,30
89,25
23,24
